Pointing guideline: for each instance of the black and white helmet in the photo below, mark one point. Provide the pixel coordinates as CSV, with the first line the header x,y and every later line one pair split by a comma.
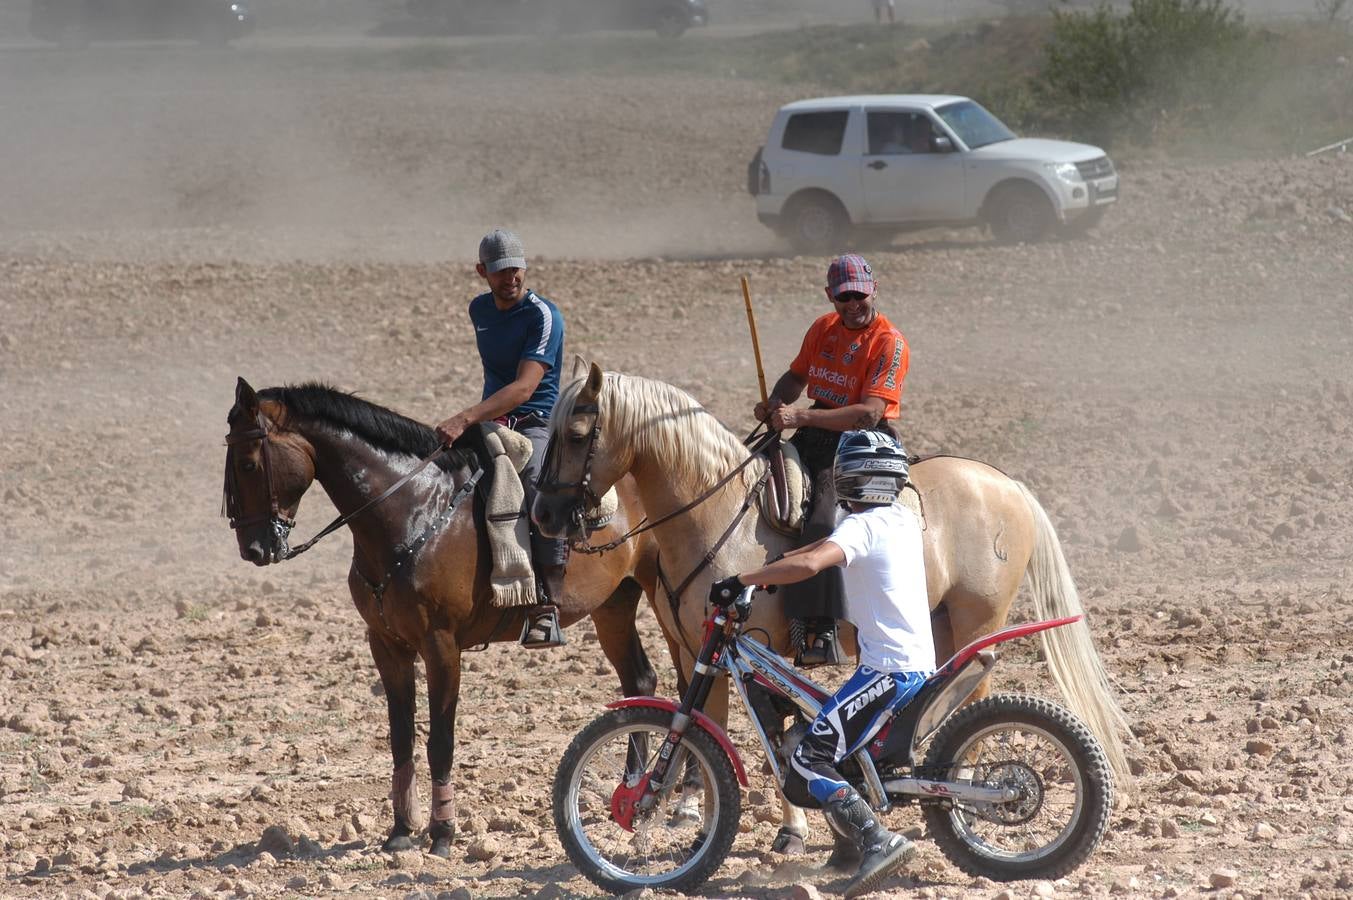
x,y
871,468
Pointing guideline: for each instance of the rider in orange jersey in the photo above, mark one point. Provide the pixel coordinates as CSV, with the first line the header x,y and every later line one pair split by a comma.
x,y
851,366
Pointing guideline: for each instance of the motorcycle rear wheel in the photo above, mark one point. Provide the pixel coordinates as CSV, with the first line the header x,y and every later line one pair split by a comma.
x,y
1050,758
677,845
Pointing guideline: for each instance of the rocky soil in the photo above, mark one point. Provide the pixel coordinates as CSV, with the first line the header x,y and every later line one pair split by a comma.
x,y
174,722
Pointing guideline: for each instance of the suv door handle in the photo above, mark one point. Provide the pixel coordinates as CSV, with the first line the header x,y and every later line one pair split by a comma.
x,y
878,164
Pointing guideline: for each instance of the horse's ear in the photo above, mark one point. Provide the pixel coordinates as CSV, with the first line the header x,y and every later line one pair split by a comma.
x,y
579,368
245,398
592,389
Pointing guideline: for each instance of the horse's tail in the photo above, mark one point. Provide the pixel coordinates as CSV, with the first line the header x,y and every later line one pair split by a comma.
x,y
1075,665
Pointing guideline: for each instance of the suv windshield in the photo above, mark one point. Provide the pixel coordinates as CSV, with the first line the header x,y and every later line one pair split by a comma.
x,y
974,125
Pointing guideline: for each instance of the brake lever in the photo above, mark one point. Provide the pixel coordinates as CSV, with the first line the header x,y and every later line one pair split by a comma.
x,y
742,606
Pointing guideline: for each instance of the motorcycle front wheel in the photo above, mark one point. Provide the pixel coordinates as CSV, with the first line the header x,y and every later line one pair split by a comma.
x,y
1048,760
677,843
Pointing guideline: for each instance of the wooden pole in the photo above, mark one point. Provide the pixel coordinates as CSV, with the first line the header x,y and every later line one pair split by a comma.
x,y
756,342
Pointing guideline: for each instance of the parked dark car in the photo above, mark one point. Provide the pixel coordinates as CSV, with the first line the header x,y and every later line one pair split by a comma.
x,y
77,22
669,18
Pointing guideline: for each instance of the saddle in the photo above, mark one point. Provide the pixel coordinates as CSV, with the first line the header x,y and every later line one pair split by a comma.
x,y
785,503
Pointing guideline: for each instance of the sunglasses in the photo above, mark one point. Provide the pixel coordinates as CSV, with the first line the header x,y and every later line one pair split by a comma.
x,y
849,297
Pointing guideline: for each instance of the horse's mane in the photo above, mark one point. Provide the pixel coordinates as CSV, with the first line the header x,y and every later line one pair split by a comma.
x,y
659,418
380,427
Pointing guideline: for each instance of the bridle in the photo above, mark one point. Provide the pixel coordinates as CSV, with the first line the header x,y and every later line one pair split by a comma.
x,y
583,493
585,496
280,524
549,482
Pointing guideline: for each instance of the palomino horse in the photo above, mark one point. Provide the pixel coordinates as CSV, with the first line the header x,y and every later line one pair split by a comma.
x,y
984,533
419,574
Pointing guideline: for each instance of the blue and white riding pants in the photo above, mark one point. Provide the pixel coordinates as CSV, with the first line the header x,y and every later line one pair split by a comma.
x,y
849,720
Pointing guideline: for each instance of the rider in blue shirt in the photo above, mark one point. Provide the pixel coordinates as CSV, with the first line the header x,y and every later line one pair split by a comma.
x,y
520,336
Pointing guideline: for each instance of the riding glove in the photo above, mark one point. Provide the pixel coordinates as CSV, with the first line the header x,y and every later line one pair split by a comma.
x,y
724,591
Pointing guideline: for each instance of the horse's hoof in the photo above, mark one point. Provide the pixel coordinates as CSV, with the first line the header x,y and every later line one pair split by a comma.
x,y
789,842
397,843
441,847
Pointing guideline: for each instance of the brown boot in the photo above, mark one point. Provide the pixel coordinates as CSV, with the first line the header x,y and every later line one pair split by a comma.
x,y
823,649
541,629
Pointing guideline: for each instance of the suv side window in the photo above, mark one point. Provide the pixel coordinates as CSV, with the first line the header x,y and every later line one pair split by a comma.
x,y
899,132
816,132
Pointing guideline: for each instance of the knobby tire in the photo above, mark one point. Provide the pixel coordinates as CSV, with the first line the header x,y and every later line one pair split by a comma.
x,y
1091,816
716,768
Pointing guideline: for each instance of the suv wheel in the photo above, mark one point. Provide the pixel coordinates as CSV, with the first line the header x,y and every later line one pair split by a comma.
x,y
817,224
1019,214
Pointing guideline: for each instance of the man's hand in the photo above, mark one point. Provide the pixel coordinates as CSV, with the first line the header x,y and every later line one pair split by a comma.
x,y
786,417
453,428
724,591
763,410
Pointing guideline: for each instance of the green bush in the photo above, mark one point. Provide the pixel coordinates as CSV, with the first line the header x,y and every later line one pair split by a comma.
x,y
1107,75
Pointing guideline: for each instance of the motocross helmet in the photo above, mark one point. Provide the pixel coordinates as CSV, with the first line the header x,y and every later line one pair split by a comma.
x,y
870,468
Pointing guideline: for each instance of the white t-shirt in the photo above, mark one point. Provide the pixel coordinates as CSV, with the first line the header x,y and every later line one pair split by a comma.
x,y
886,597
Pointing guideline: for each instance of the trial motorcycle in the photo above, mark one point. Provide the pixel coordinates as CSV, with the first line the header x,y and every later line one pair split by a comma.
x,y
1011,787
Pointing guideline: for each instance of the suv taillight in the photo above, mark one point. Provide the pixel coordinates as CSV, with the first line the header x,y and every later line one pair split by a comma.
x,y
758,175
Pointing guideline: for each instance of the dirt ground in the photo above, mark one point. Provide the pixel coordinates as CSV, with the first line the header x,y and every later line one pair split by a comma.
x,y
175,722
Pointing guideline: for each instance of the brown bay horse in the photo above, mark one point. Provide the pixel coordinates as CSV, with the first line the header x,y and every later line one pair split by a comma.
x,y
419,572
984,532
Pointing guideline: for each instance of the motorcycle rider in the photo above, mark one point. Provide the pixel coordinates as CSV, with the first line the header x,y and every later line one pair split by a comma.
x,y
879,547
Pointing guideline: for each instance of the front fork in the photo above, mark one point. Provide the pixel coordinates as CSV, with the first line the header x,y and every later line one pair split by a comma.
x,y
706,669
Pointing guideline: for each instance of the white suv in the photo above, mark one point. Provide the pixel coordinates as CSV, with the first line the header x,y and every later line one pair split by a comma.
x,y
896,162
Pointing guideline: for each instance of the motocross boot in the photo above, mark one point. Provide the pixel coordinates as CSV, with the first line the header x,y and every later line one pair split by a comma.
x,y
883,852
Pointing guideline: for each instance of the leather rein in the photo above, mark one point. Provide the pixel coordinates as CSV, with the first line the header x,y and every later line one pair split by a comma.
x,y
583,489
282,524
550,483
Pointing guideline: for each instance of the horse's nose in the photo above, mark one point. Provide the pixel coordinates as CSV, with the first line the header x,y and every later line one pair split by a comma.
x,y
255,554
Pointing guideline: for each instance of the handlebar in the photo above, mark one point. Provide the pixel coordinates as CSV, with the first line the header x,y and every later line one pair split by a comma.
x,y
740,603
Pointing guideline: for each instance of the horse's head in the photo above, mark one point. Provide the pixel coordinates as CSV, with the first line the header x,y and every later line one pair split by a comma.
x,y
267,470
578,469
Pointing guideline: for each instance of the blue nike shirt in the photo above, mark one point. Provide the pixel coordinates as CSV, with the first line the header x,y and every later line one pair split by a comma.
x,y
533,329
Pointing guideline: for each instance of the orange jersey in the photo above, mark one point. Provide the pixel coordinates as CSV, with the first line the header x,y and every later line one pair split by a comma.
x,y
843,367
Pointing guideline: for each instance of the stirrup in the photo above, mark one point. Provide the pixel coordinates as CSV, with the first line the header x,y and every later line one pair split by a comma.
x,y
541,629
824,651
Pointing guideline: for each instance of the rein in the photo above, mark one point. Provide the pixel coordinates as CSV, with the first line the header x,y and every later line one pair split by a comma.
x,y
583,487
281,524
345,519
646,525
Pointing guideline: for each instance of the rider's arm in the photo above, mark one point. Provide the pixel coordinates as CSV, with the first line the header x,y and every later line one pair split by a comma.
x,y
499,403
804,549
787,389
800,566
888,360
865,414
